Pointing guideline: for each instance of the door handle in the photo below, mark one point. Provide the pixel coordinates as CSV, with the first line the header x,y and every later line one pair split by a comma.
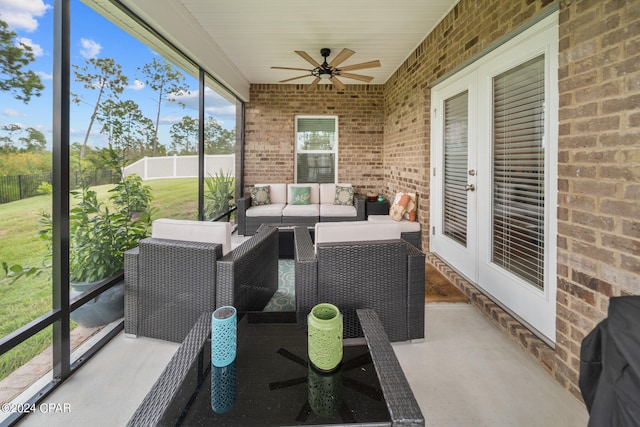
x,y
470,187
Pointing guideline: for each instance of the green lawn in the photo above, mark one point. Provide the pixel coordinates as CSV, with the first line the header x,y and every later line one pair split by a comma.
x,y
30,297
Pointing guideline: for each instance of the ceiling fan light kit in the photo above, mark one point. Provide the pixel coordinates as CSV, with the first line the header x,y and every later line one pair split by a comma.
x,y
330,71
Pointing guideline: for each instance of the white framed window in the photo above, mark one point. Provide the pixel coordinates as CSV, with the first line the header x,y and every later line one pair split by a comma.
x,y
316,153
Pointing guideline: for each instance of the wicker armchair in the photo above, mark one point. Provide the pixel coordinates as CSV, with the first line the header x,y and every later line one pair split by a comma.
x,y
384,275
170,283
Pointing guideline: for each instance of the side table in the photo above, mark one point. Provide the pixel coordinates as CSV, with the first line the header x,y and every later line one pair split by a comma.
x,y
377,208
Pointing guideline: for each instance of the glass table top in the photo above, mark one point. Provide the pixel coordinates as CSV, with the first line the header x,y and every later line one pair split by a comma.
x,y
271,382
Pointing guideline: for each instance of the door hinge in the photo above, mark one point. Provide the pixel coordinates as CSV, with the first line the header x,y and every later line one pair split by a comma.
x,y
434,171
433,230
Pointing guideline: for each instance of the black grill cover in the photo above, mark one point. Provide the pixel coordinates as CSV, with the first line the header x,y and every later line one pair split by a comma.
x,y
610,366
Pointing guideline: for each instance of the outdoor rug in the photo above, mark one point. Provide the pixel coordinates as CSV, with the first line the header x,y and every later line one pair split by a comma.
x,y
284,299
439,289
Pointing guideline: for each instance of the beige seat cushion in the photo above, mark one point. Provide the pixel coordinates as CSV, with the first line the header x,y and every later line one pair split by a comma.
x,y
405,225
193,231
355,231
329,209
274,209
301,210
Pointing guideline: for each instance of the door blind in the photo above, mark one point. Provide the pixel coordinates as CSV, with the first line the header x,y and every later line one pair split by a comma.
x,y
455,167
518,171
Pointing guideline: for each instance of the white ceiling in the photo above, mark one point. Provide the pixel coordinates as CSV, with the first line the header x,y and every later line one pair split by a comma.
x,y
257,34
240,40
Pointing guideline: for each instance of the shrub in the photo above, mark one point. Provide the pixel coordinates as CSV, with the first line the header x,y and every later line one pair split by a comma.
x,y
100,237
45,188
220,194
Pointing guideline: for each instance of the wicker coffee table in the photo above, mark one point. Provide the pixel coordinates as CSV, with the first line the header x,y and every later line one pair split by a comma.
x,y
274,384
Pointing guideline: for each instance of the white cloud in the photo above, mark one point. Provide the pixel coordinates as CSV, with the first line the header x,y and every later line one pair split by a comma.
x,y
10,112
22,14
35,47
227,110
44,76
89,48
170,119
137,85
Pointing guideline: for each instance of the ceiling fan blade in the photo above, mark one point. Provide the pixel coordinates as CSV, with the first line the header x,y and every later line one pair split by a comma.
x,y
356,77
337,83
289,68
370,64
295,78
313,84
341,57
307,58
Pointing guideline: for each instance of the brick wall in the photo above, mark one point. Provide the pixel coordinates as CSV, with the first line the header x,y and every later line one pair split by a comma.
x,y
599,151
468,29
270,129
599,169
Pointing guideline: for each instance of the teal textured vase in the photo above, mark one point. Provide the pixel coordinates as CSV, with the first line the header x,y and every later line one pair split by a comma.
x,y
325,336
223,336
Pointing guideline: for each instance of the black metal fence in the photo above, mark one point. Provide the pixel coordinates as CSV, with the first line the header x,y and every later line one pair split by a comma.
x,y
19,187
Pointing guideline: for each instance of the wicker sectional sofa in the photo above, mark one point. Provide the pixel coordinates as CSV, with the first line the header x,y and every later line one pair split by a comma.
x,y
280,209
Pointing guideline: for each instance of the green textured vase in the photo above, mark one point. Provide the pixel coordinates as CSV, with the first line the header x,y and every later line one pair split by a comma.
x,y
325,336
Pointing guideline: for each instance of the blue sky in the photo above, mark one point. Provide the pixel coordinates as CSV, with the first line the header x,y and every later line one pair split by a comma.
x,y
92,36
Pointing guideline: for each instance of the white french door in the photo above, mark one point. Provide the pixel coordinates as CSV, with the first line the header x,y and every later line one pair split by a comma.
x,y
494,174
454,151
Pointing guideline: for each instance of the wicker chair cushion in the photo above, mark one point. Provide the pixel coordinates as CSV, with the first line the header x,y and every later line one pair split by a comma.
x,y
193,231
406,226
355,231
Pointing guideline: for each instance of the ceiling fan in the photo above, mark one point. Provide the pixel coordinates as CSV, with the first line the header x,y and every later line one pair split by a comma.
x,y
331,71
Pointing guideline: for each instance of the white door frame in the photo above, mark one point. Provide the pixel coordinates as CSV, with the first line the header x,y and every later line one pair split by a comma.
x,y
534,307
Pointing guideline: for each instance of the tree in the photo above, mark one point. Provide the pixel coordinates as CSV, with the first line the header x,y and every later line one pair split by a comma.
x,y
8,141
35,140
14,57
218,140
128,130
184,136
161,77
101,74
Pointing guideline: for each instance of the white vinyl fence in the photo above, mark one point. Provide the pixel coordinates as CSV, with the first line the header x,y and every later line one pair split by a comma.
x,y
181,166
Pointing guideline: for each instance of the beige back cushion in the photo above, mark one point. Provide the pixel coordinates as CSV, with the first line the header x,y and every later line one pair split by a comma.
x,y
277,193
315,192
193,231
328,192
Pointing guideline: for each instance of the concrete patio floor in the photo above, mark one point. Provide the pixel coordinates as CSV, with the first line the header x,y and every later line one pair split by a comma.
x,y
465,373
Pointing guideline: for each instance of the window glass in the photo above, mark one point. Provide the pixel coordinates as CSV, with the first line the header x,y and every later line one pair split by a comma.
x,y
26,118
316,148
456,145
220,146
518,171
